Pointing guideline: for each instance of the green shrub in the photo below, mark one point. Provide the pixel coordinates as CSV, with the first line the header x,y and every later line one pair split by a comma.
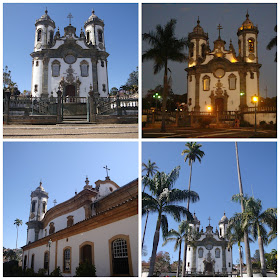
x,y
244,124
56,272
85,269
29,272
262,123
41,272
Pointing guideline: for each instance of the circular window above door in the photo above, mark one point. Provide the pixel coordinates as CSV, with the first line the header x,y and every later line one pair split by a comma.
x,y
219,73
70,59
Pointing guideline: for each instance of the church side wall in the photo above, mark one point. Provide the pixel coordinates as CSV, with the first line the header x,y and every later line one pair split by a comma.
x,y
102,79
189,259
251,87
191,91
100,237
37,74
229,260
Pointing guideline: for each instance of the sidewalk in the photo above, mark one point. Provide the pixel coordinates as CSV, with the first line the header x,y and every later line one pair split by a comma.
x,y
71,131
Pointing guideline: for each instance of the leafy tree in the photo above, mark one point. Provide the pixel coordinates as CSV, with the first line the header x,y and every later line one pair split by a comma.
x,y
192,153
273,43
113,91
165,47
163,201
18,223
133,79
271,260
254,219
162,262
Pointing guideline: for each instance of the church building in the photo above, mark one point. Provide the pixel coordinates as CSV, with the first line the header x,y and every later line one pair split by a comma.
x,y
221,79
69,62
210,253
98,225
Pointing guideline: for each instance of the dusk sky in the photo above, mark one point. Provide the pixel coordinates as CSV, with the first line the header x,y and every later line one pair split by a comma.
x,y
120,34
62,167
231,17
215,180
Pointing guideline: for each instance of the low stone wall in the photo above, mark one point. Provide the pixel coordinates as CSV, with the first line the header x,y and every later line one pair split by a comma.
x,y
34,119
74,109
111,119
267,117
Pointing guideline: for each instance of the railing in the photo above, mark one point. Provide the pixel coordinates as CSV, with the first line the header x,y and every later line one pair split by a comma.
x,y
260,109
74,99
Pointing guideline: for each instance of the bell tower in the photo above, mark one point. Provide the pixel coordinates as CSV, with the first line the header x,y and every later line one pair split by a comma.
x,y
223,224
247,41
38,208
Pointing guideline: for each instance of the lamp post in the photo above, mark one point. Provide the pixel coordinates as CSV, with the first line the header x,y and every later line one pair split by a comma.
x,y
254,101
49,245
156,96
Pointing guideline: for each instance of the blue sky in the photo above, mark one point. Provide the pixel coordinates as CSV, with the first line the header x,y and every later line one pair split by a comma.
x,y
230,16
62,167
215,180
120,33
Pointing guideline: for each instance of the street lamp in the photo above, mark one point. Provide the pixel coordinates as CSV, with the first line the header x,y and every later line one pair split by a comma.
x,y
209,108
49,245
254,100
156,96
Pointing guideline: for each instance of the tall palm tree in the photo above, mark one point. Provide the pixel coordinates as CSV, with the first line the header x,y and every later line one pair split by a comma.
x,y
151,168
163,201
246,237
254,219
235,235
18,223
192,153
273,43
165,47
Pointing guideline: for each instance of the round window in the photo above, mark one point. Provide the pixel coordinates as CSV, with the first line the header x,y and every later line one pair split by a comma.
x,y
70,58
219,73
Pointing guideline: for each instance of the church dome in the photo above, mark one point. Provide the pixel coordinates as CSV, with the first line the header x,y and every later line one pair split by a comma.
x,y
94,19
45,19
248,25
198,29
198,32
195,220
40,188
224,219
40,191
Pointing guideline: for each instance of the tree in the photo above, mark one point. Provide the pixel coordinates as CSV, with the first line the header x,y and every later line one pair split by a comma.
x,y
165,47
150,168
273,43
254,219
162,263
235,235
192,153
163,201
133,79
18,223
271,260
113,91
246,237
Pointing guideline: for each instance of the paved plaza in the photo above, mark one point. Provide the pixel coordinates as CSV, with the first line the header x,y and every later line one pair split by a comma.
x,y
188,132
71,131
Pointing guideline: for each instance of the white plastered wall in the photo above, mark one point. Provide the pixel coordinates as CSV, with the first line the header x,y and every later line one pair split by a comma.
x,y
102,78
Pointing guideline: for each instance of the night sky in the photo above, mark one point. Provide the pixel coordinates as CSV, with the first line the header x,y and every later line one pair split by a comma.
x,y
231,17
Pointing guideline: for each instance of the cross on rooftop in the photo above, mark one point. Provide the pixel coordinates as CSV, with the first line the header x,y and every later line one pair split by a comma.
x,y
70,16
209,220
106,167
219,28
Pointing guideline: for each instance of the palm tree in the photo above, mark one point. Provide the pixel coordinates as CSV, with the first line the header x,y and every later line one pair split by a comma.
x,y
18,223
192,153
165,47
151,169
246,237
163,201
254,219
273,43
273,229
235,235
178,237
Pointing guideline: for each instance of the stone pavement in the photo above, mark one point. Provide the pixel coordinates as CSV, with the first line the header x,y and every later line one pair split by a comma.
x,y
71,131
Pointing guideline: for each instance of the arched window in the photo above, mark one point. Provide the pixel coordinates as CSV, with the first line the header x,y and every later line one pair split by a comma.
x,y
87,37
70,221
56,68
44,207
217,253
220,232
52,228
32,261
232,81
239,47
46,260
206,82
67,260
100,36
203,51
102,63
35,89
251,45
191,47
84,68
104,87
51,37
37,63
39,35
86,252
24,263
200,253
34,202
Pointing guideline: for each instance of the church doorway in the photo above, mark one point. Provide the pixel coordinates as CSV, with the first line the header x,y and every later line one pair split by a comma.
x,y
120,257
70,90
208,268
219,105
86,255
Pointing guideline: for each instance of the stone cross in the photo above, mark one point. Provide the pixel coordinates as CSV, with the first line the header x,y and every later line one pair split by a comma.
x,y
54,202
209,220
219,28
70,16
106,170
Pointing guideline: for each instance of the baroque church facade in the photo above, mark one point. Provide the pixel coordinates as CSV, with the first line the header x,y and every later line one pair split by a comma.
x,y
98,225
221,79
69,62
210,253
